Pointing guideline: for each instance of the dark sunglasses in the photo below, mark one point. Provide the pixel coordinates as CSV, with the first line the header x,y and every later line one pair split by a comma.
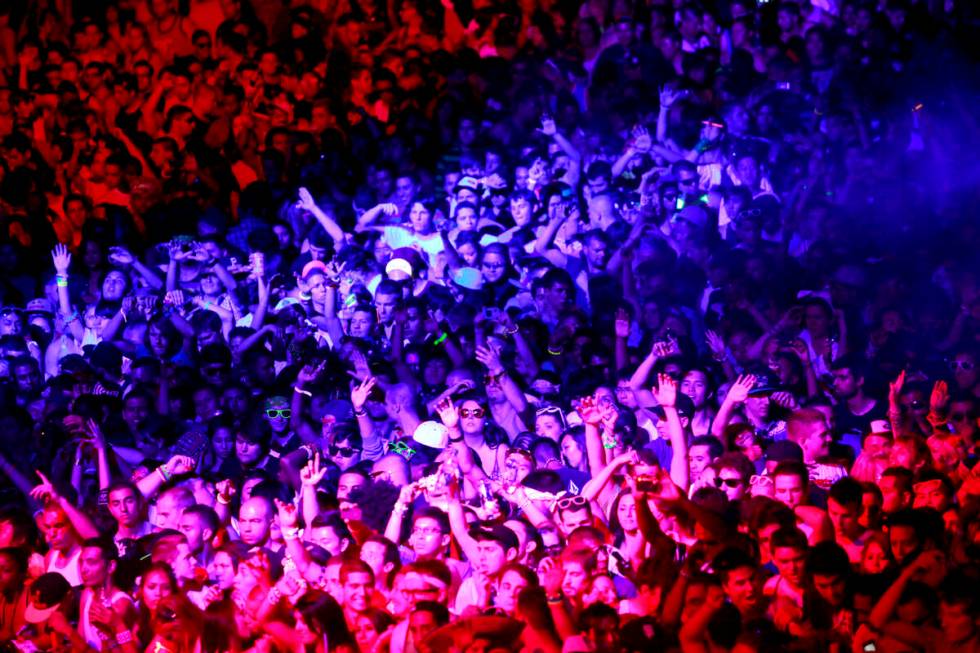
x,y
273,413
343,452
475,412
966,366
730,482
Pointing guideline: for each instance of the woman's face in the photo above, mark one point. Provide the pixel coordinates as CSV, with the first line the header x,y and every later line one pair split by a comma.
x,y
365,633
472,417
874,560
248,453
493,267
210,285
156,586
95,322
548,426
420,218
468,253
157,340
223,443
113,286
626,513
571,452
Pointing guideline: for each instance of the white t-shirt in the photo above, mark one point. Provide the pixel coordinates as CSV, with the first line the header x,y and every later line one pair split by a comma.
x,y
432,244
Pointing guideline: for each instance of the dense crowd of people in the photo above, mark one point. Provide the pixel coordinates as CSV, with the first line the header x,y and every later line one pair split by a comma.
x,y
547,326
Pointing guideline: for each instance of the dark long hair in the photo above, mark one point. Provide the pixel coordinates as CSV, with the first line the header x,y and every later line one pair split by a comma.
x,y
324,616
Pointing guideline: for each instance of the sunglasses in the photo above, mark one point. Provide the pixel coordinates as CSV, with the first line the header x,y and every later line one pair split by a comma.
x,y
728,482
966,366
343,452
402,450
571,502
475,412
273,413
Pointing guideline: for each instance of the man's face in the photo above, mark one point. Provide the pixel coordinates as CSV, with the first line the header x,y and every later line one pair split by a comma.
x,y
386,305
845,385
844,518
347,484
788,489
699,457
572,519
596,252
167,513
574,578
194,531
791,563
92,567
695,386
254,522
491,558
57,530
357,590
831,589
816,444
426,539
742,587
124,507
373,553
326,537
893,498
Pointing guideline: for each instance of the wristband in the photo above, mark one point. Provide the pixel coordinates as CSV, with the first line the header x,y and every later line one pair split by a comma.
x,y
61,280
301,391
360,413
163,473
123,638
557,598
222,500
207,305
555,352
511,332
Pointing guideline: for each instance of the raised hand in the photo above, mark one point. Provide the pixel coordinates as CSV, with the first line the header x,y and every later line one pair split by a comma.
x,y
388,208
44,491
288,515
552,575
61,258
178,465
94,432
715,342
312,473
786,400
939,399
306,201
642,142
225,489
309,373
739,391
359,395
589,411
895,389
489,358
666,391
548,126
448,413
121,256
